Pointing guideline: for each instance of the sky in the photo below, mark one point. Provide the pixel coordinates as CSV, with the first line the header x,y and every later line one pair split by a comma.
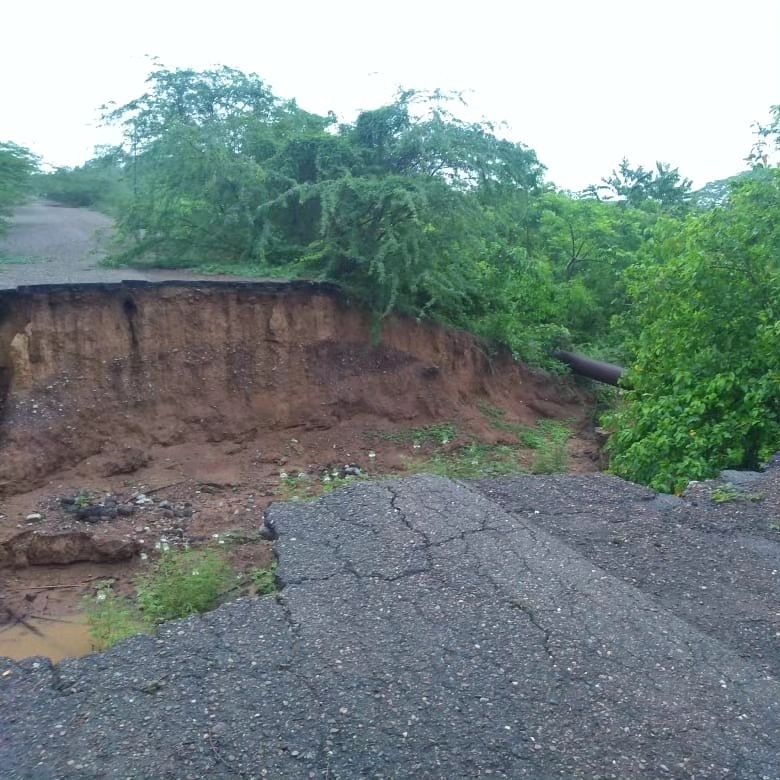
x,y
582,83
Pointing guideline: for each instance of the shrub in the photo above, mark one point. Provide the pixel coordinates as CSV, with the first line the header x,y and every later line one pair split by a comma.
x,y
184,583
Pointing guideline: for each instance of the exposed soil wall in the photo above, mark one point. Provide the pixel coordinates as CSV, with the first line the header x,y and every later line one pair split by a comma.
x,y
93,369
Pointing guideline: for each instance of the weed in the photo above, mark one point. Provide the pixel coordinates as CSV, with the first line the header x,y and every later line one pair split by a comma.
x,y
330,483
727,493
472,462
184,583
264,580
112,618
549,439
434,435
552,453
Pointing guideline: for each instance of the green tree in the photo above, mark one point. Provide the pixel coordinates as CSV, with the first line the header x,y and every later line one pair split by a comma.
x,y
705,327
17,166
661,189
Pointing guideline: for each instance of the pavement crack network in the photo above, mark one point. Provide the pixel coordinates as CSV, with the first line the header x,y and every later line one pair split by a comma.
x,y
426,546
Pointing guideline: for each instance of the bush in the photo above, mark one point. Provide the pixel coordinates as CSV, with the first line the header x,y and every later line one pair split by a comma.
x,y
705,325
184,583
112,618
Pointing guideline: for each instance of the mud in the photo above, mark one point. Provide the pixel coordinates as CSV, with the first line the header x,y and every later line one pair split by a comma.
x,y
192,405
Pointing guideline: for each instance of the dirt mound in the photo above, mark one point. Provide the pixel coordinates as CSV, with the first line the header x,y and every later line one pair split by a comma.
x,y
111,371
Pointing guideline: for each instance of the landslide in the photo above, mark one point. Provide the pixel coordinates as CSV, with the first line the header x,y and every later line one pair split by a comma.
x,y
102,370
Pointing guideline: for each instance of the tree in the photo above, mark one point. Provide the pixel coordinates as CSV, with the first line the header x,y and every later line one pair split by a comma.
x,y
662,189
17,166
705,326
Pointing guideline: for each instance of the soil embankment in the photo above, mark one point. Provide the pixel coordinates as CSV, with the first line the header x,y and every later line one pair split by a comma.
x,y
137,416
103,370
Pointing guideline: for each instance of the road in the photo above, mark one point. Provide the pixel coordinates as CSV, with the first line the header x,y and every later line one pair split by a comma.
x,y
51,244
539,627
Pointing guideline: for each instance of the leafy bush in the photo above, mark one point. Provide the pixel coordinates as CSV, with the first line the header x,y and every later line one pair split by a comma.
x,y
112,618
264,580
705,328
17,166
183,583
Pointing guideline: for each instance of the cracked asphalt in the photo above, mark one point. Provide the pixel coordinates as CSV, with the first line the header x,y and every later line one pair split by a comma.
x,y
541,627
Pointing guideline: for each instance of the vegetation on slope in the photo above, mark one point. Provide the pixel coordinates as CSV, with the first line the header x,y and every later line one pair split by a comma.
x,y
409,208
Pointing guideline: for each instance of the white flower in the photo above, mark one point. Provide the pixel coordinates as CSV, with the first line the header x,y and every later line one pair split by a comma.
x,y
144,557
372,454
416,446
101,596
282,475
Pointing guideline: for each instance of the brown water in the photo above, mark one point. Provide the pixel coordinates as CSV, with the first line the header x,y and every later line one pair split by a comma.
x,y
55,639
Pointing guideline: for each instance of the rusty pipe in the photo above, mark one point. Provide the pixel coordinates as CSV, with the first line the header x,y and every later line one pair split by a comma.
x,y
608,373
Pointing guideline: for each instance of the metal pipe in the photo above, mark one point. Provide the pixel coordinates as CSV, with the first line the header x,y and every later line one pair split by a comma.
x,y
593,369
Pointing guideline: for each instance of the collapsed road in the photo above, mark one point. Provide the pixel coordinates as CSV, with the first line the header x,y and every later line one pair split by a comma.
x,y
567,626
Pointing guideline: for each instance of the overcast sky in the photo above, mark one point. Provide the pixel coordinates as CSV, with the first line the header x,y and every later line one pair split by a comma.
x,y
584,83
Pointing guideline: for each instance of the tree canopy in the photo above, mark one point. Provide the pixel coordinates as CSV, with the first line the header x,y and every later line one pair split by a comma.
x,y
410,208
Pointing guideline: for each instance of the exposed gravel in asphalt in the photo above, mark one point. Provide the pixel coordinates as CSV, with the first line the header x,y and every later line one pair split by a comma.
x,y
51,244
424,632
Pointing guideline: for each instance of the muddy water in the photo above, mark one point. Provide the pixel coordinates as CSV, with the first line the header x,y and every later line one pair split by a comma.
x,y
55,639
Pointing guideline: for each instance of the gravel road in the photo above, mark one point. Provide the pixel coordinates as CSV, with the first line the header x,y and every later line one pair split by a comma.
x,y
539,627
52,244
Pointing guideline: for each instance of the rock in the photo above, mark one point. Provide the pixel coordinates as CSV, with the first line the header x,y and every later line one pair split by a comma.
x,y
34,517
125,510
30,548
125,461
164,504
741,478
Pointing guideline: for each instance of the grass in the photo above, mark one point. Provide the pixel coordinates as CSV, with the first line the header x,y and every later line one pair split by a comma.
x,y
728,493
433,435
182,583
264,580
472,461
549,440
112,618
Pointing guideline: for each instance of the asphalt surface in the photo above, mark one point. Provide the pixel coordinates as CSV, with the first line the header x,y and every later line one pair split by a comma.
x,y
425,632
51,244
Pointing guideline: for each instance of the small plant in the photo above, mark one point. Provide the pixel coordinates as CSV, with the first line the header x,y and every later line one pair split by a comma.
x,y
549,439
727,493
473,461
434,435
82,500
551,454
184,583
295,487
264,580
112,618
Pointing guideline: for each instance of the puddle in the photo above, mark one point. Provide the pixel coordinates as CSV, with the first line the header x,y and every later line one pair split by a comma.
x,y
55,639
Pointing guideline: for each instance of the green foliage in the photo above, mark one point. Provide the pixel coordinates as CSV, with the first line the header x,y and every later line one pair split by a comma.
x,y
548,439
183,583
472,461
704,326
17,166
264,580
434,435
112,618
101,183
727,493
662,189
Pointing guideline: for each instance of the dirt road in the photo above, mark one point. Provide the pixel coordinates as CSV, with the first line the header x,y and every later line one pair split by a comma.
x,y
49,244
